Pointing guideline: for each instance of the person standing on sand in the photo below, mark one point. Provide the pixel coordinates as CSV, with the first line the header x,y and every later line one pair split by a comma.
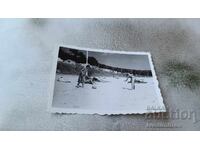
x,y
132,80
84,77
81,77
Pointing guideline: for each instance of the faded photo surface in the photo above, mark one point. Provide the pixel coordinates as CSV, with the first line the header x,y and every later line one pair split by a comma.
x,y
105,82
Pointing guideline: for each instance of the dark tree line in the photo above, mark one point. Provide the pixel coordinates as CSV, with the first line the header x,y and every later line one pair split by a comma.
x,y
79,57
72,54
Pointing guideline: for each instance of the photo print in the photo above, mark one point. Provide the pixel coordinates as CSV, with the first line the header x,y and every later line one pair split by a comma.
x,y
105,82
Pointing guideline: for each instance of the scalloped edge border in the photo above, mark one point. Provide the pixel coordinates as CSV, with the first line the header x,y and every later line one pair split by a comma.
x,y
84,111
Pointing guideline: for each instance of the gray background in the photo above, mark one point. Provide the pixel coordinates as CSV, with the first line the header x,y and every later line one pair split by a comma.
x,y
26,53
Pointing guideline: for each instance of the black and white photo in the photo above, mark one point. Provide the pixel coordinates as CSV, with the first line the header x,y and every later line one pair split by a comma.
x,y
105,82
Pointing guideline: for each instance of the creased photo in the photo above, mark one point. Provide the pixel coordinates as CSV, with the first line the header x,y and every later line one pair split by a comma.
x,y
103,82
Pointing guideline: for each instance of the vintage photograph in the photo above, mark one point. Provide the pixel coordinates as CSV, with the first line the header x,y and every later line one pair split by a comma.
x,y
113,74
105,82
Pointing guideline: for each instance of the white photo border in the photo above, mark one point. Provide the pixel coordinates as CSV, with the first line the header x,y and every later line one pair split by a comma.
x,y
84,111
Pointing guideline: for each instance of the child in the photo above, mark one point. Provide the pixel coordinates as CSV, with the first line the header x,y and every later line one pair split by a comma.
x,y
132,80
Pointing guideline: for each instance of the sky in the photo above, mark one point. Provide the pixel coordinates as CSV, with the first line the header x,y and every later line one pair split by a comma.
x,y
139,62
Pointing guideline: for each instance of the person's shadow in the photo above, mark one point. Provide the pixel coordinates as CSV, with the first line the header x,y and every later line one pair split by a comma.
x,y
128,88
